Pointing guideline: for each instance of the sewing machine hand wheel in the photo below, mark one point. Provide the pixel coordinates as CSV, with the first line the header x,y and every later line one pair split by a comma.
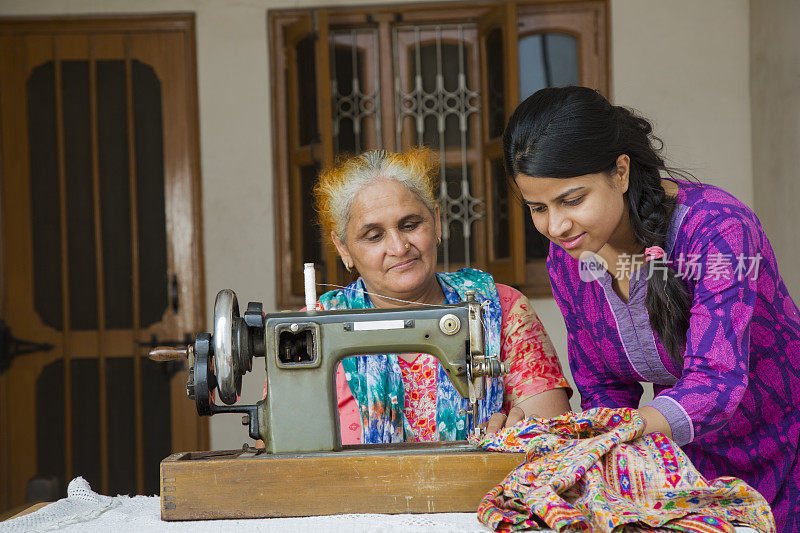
x,y
230,358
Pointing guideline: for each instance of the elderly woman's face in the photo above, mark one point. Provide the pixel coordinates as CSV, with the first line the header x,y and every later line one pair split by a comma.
x,y
391,239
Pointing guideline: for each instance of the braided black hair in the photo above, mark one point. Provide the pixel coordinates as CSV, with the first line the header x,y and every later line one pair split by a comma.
x,y
573,131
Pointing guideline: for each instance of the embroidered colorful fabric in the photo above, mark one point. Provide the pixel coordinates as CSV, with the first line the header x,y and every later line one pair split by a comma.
x,y
595,471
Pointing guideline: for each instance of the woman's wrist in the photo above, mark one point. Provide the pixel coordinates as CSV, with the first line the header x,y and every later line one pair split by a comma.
x,y
655,422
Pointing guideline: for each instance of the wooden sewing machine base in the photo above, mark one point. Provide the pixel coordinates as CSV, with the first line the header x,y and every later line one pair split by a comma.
x,y
405,478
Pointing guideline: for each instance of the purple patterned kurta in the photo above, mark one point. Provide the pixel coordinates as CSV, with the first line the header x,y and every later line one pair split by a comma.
x,y
734,407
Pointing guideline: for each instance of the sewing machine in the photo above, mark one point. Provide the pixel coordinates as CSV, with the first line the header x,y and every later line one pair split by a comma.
x,y
298,419
302,351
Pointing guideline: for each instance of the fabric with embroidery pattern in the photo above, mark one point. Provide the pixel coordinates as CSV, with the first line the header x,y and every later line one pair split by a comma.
x,y
597,471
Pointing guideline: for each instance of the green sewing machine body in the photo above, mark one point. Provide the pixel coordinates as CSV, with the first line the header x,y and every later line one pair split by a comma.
x,y
302,350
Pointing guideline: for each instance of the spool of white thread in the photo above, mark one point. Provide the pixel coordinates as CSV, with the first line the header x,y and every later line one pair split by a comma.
x,y
310,278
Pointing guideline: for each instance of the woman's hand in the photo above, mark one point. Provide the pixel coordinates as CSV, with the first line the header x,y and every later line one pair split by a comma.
x,y
547,404
499,421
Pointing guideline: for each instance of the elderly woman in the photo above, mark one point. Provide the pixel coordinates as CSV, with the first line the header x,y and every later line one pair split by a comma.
x,y
383,219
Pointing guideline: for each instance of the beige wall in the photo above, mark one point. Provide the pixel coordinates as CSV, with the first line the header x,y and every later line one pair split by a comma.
x,y
685,65
775,107
682,63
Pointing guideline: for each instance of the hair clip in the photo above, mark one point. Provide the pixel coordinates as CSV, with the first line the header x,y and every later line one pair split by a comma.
x,y
653,252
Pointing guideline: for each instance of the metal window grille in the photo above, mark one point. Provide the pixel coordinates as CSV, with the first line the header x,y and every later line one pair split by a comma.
x,y
457,204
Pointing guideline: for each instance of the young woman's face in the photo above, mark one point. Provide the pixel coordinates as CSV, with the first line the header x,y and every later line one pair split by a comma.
x,y
580,214
391,239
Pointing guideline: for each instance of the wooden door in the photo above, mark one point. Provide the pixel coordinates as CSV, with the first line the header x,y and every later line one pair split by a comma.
x,y
100,247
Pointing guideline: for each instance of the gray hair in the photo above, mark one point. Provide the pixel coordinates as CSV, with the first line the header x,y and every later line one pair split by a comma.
x,y
337,188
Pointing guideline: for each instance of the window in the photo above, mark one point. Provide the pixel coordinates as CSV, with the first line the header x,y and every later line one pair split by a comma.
x,y
443,75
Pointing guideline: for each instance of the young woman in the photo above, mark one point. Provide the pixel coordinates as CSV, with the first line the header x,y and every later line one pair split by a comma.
x,y
666,281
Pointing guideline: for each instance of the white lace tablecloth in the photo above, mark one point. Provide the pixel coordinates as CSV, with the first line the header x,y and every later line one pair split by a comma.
x,y
85,511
